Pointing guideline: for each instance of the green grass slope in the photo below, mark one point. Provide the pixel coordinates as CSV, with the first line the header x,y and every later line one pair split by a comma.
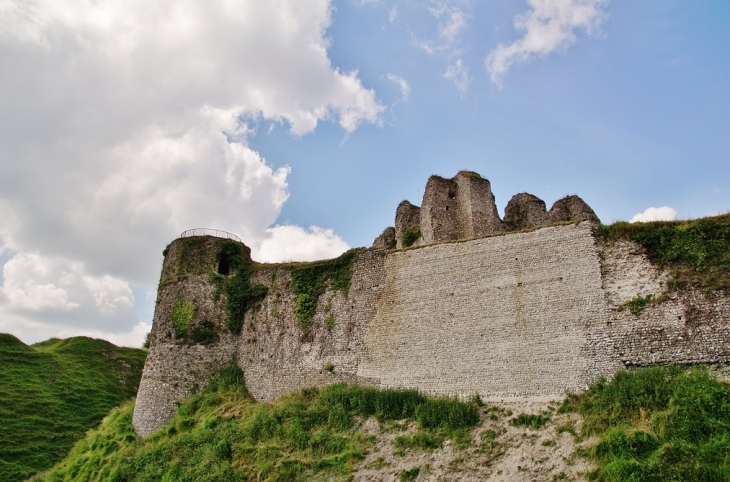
x,y
53,392
655,424
221,434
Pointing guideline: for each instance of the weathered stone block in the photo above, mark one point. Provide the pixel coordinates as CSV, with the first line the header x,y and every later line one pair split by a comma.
x,y
571,208
386,240
525,211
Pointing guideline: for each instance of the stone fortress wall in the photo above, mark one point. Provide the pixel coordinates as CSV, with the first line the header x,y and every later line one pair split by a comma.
x,y
471,309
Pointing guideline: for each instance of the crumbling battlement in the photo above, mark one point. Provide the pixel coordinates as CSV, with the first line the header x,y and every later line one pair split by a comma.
x,y
531,313
464,207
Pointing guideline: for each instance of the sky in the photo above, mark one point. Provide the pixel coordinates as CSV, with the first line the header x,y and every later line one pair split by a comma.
x,y
299,125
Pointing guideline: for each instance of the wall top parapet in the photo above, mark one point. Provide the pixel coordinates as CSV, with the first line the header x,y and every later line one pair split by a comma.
x,y
210,232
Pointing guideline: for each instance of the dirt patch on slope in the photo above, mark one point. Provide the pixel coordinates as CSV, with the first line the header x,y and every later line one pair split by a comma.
x,y
498,451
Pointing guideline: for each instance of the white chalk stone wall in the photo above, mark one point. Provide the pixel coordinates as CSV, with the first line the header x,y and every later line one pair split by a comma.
x,y
501,316
686,327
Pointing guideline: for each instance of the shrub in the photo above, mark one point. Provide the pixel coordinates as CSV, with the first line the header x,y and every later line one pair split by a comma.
x,y
637,304
410,236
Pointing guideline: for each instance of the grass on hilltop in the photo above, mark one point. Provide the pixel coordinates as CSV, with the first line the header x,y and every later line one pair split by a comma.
x,y
696,252
52,392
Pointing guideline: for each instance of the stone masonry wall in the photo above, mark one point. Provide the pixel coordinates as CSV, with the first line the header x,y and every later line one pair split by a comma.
x,y
498,316
278,357
440,216
685,327
407,216
529,314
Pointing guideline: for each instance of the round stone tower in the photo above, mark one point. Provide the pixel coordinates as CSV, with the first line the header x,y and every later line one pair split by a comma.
x,y
192,335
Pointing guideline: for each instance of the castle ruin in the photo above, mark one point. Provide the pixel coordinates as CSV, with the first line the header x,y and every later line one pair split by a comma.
x,y
530,305
464,207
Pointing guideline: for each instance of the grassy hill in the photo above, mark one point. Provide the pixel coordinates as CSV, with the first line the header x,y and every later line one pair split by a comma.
x,y
53,392
655,424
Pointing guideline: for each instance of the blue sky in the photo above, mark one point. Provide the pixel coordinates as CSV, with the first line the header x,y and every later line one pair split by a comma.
x,y
300,125
631,117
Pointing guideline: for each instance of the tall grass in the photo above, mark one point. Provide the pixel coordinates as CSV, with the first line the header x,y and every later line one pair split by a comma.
x,y
52,392
220,434
658,424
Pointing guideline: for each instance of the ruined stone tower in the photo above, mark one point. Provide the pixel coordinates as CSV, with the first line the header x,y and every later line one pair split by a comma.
x,y
458,208
464,207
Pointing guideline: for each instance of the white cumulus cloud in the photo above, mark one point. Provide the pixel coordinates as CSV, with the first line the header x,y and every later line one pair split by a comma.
x,y
294,243
664,213
124,123
548,26
34,283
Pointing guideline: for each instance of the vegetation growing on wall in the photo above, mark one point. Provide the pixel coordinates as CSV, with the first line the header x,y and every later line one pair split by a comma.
x,y
193,257
410,236
657,424
310,281
472,175
204,333
52,392
240,293
697,252
220,434
182,315
637,304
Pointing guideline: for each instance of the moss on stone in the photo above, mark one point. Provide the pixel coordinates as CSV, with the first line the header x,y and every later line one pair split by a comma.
x,y
182,315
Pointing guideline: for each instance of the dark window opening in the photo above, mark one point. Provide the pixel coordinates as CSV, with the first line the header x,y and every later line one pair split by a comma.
x,y
447,208
224,266
452,195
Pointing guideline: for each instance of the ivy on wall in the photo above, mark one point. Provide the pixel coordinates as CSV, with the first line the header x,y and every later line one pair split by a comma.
x,y
310,281
240,293
182,315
